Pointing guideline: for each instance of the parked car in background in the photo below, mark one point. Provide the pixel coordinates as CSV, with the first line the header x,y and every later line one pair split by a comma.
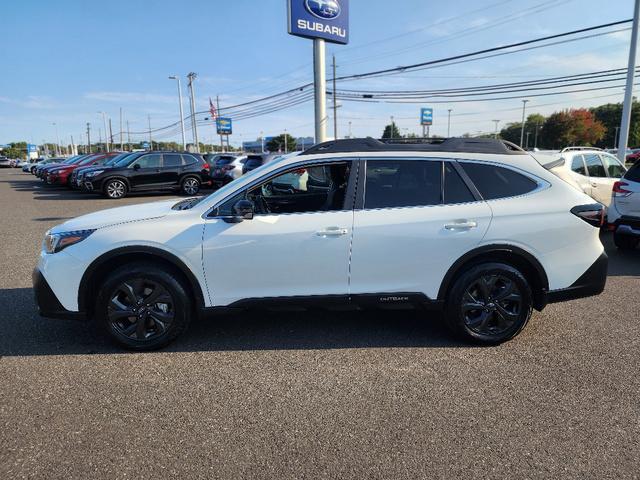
x,y
590,170
150,171
41,170
33,168
61,175
77,176
473,228
256,160
4,161
633,156
226,169
624,213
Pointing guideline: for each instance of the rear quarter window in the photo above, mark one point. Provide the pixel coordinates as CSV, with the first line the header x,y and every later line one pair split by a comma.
x,y
495,182
633,174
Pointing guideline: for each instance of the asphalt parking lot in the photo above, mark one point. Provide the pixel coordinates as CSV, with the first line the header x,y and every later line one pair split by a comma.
x,y
311,395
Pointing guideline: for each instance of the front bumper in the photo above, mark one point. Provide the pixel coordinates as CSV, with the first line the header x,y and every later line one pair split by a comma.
x,y
590,283
48,304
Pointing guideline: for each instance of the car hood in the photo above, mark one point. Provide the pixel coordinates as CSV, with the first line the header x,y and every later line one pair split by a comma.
x,y
114,216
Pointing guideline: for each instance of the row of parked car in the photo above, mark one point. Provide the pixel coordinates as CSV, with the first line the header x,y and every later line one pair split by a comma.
x,y
115,174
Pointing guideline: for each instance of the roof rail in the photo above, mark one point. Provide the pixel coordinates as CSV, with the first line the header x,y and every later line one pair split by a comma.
x,y
463,145
574,149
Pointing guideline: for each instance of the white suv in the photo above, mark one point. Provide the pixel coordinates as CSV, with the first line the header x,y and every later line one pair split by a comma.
x,y
474,228
589,169
624,213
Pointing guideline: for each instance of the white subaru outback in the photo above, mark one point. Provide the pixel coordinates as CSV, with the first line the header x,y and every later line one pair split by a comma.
x,y
474,228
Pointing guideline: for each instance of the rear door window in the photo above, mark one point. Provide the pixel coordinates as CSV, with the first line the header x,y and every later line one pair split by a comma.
x,y
594,165
403,183
577,165
495,182
633,174
149,161
612,166
455,189
172,160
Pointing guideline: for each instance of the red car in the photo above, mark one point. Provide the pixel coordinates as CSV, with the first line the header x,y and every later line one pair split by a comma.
x,y
61,174
633,157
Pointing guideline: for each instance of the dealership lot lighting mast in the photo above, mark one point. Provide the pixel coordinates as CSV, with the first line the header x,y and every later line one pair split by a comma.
x,y
192,76
628,93
184,139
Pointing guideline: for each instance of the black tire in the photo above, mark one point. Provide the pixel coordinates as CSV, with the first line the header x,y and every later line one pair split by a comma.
x,y
625,242
149,326
115,189
489,304
190,186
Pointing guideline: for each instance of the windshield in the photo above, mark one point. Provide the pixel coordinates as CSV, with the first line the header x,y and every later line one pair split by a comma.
x,y
116,159
123,162
71,160
87,160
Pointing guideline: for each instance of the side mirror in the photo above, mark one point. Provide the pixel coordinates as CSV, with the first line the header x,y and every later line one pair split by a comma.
x,y
136,166
243,210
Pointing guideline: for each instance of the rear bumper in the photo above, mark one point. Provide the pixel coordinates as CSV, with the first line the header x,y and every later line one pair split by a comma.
x,y
48,304
626,225
590,283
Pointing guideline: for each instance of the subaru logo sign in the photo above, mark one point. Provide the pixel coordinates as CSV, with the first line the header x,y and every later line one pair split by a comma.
x,y
326,19
325,9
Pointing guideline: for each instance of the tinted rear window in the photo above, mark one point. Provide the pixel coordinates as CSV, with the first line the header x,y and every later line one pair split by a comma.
x,y
252,162
634,173
403,183
455,190
497,182
224,161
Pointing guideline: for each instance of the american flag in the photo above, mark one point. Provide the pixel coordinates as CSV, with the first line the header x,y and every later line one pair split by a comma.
x,y
212,109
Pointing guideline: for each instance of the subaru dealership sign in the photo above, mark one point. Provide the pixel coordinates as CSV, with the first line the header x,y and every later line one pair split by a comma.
x,y
326,19
426,116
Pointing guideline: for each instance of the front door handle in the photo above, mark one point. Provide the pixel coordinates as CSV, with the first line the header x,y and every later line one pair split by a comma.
x,y
594,184
461,225
332,232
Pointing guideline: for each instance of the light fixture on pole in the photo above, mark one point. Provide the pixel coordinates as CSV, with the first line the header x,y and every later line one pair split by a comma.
x,y
524,107
184,138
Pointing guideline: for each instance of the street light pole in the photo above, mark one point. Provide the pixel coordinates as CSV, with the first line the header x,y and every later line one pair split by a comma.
x,y
335,102
106,134
628,93
192,76
184,138
496,132
150,138
449,124
524,107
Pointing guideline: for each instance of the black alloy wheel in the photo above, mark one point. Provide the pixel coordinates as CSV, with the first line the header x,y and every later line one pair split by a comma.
x,y
490,303
143,306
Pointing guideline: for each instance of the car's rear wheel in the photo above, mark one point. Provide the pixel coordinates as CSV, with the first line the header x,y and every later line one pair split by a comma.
x,y
190,186
115,188
489,303
143,306
625,242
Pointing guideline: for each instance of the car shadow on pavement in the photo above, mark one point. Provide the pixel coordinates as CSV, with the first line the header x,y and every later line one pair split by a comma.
x,y
621,263
25,333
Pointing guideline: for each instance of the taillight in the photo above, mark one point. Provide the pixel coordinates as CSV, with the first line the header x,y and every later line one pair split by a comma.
x,y
620,191
206,166
592,214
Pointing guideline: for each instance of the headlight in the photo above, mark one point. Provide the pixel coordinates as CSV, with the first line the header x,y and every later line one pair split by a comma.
x,y
93,174
54,242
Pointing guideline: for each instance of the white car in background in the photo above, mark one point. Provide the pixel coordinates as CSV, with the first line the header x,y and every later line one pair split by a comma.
x,y
590,170
624,213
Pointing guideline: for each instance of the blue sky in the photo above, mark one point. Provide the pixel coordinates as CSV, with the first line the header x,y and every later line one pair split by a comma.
x,y
62,62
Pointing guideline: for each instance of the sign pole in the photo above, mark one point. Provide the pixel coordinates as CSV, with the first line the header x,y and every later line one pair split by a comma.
x,y
320,86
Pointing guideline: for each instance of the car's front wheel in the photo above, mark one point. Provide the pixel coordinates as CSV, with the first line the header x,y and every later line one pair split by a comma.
x,y
115,188
625,242
190,186
489,303
143,306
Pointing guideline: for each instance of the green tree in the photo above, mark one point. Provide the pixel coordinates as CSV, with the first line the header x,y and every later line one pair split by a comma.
x,y
277,144
391,131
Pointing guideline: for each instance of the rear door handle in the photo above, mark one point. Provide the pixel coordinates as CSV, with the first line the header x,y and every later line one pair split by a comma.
x,y
332,232
461,225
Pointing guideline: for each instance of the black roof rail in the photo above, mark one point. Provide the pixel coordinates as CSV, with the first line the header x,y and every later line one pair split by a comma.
x,y
463,145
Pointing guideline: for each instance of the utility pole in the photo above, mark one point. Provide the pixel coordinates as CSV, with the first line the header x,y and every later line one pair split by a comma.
x,y
393,126
110,134
104,120
88,137
121,134
449,124
526,145
524,107
192,76
184,137
128,137
615,139
535,139
218,110
320,89
262,140
335,102
285,141
150,138
628,93
73,147
350,135
57,140
100,138
496,131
